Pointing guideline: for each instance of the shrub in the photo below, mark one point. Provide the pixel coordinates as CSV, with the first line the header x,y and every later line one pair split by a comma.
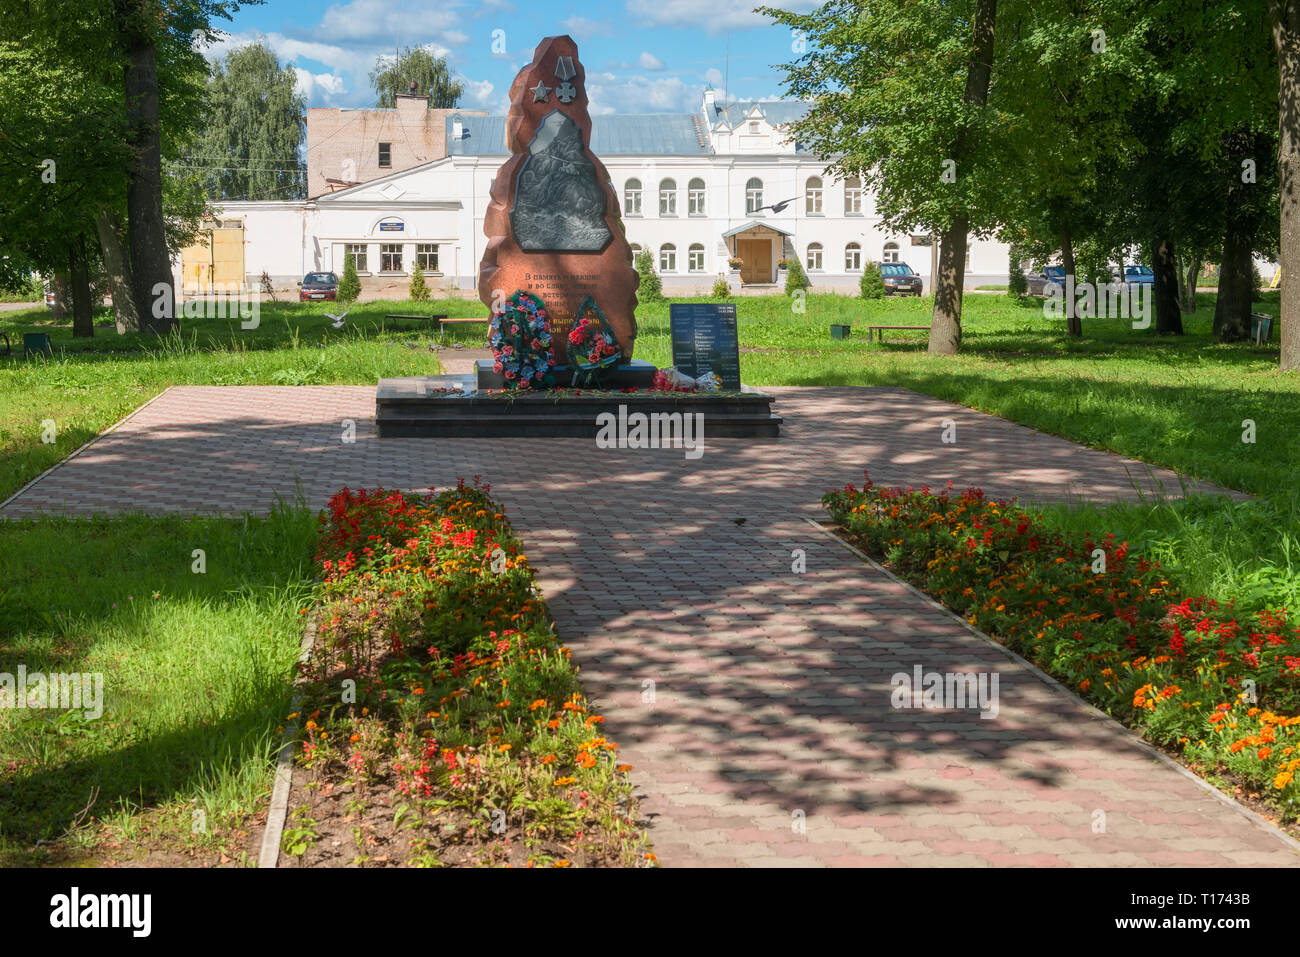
x,y
650,289
796,278
349,285
1017,284
871,285
721,288
419,289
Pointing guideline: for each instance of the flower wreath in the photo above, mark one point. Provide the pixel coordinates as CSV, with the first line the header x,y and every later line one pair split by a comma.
x,y
520,337
593,347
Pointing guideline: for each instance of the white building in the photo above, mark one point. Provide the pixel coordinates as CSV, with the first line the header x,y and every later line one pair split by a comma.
x,y
696,189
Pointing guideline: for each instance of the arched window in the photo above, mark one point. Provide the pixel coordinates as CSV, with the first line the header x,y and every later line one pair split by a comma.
x,y
695,258
667,258
753,195
636,250
695,197
814,260
853,196
852,257
632,198
668,198
813,196
890,253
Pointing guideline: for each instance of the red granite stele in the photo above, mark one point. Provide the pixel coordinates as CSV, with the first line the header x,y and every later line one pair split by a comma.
x,y
562,279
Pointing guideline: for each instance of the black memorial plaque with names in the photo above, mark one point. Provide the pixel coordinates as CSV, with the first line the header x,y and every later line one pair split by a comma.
x,y
705,340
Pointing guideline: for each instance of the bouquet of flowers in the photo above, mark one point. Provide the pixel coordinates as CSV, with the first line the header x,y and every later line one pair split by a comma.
x,y
592,345
520,337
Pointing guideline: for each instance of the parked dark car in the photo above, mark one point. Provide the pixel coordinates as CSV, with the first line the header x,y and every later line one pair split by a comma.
x,y
1039,281
322,286
899,278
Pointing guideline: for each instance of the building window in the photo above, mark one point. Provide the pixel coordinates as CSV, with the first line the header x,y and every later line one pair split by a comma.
x,y
695,258
813,196
636,251
668,198
853,257
426,254
632,198
667,258
753,126
385,155
890,254
390,257
695,197
853,196
358,253
753,195
814,259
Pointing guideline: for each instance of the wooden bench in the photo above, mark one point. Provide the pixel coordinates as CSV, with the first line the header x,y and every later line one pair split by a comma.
x,y
443,322
880,330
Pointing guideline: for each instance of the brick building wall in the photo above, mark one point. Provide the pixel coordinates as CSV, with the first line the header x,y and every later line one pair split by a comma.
x,y
345,145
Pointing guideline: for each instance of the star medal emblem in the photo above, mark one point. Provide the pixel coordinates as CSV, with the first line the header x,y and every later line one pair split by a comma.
x,y
540,92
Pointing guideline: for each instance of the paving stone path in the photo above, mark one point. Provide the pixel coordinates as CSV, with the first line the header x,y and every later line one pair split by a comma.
x,y
754,702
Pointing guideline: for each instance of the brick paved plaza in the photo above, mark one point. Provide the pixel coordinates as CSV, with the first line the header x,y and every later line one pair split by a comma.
x,y
748,698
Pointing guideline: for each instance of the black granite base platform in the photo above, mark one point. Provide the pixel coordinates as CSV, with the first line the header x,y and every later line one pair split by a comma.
x,y
451,406
635,374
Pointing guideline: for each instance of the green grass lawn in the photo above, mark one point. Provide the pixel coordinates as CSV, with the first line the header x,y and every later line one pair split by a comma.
x,y
195,667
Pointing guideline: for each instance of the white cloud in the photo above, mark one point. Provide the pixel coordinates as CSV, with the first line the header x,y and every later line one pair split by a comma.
x,y
648,61
640,94
581,26
719,16
386,21
327,85
713,77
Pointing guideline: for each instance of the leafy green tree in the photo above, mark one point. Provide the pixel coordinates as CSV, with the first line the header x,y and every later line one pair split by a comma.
x,y
899,95
871,285
418,289
795,277
415,65
350,285
252,130
650,288
721,288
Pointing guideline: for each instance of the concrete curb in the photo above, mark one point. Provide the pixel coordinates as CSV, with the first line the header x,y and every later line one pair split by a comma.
x,y
64,461
269,855
1254,818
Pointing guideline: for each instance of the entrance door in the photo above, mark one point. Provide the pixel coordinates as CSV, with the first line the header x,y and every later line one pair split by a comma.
x,y
756,257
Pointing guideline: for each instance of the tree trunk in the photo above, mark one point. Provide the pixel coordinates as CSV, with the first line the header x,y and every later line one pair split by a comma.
x,y
62,290
1169,316
83,317
1236,284
150,263
1285,18
945,320
118,268
1189,291
1073,324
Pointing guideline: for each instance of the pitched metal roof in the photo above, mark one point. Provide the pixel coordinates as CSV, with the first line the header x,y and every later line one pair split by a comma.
x,y
656,134
776,112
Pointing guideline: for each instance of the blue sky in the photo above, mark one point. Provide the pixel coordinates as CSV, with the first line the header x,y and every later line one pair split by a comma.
x,y
641,56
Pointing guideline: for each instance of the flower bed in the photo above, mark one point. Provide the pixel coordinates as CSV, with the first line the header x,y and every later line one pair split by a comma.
x,y
1188,674
444,721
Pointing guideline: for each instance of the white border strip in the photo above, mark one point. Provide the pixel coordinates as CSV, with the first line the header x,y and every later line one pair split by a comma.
x,y
269,855
64,461
1255,818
